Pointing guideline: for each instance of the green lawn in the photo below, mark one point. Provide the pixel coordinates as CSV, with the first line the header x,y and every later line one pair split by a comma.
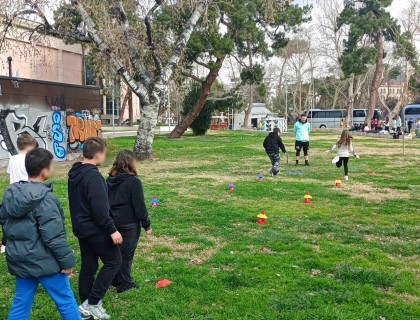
x,y
352,254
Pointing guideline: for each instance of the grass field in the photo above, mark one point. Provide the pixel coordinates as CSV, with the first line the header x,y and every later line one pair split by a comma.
x,y
352,254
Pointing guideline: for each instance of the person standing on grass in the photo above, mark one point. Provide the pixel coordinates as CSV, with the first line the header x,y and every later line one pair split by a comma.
x,y
345,147
37,250
128,208
399,124
302,129
272,145
95,229
16,167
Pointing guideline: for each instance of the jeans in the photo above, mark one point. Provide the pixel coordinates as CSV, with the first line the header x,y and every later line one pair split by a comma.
x,y
344,161
275,162
131,237
92,250
58,288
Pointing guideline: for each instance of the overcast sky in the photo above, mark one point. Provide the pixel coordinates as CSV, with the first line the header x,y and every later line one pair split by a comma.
x,y
396,8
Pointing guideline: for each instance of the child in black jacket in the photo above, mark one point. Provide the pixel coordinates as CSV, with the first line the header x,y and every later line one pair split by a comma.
x,y
126,199
95,229
272,145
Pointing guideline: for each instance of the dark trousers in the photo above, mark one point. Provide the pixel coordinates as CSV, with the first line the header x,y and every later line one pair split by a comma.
x,y
92,250
275,163
123,278
344,161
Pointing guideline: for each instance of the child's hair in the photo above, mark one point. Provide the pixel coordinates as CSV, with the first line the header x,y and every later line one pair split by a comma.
x,y
37,160
92,146
124,163
26,140
276,130
345,139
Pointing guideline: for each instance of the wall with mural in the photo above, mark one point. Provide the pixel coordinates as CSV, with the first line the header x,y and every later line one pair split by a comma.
x,y
60,117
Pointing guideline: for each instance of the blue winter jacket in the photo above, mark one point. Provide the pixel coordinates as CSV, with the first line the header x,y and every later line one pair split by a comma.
x,y
34,227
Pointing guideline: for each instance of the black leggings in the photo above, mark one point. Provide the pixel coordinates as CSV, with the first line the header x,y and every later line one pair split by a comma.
x,y
344,161
299,145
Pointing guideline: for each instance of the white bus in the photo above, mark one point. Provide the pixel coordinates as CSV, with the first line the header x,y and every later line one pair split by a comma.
x,y
326,118
359,115
410,112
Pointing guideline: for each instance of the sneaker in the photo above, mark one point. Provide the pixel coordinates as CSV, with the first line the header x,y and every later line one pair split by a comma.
x,y
271,173
3,249
96,312
307,164
346,178
335,160
126,288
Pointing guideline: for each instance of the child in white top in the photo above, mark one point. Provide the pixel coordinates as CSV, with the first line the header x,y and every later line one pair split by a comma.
x,y
16,168
345,147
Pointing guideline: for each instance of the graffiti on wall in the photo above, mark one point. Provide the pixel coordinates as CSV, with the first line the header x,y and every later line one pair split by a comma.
x,y
58,135
14,123
81,126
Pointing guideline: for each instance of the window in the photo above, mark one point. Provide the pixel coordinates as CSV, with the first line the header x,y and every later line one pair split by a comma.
x,y
415,110
117,94
335,114
359,114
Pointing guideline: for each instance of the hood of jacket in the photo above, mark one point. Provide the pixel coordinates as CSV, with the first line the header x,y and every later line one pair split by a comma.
x,y
115,181
21,198
273,135
79,170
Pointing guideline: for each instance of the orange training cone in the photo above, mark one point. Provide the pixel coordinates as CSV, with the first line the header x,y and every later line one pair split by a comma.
x,y
308,198
262,218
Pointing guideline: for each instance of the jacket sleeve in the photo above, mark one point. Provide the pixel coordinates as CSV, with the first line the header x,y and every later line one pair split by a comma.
x,y
265,143
49,216
281,145
139,205
98,200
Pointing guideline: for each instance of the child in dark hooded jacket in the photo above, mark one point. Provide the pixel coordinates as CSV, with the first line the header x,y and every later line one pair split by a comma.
x,y
37,250
272,145
126,200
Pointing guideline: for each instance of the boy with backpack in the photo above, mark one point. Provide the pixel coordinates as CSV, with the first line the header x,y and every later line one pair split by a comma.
x,y
272,145
95,229
37,251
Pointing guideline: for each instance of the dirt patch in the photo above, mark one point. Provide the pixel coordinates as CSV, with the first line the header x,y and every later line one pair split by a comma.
x,y
170,248
371,193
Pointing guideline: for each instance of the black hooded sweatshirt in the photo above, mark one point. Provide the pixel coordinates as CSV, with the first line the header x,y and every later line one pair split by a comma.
x,y
273,144
88,200
126,199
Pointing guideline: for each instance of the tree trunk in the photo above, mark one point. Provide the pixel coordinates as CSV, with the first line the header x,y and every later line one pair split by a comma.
x,y
248,111
146,131
123,107
377,78
350,107
183,125
130,109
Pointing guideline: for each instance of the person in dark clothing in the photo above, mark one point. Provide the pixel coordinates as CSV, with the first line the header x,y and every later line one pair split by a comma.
x,y
37,251
126,199
94,227
272,145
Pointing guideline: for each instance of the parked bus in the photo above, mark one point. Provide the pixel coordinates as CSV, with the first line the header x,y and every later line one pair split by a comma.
x,y
410,112
359,115
326,118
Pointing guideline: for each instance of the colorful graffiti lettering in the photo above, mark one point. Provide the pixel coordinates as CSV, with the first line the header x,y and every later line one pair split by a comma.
x,y
58,136
13,124
82,127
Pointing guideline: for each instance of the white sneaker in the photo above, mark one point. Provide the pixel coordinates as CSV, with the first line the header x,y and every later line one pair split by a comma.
x,y
346,178
3,249
97,312
335,160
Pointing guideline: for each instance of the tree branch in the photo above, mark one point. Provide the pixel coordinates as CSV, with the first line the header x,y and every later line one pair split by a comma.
x,y
181,45
156,59
143,74
205,65
139,89
195,78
